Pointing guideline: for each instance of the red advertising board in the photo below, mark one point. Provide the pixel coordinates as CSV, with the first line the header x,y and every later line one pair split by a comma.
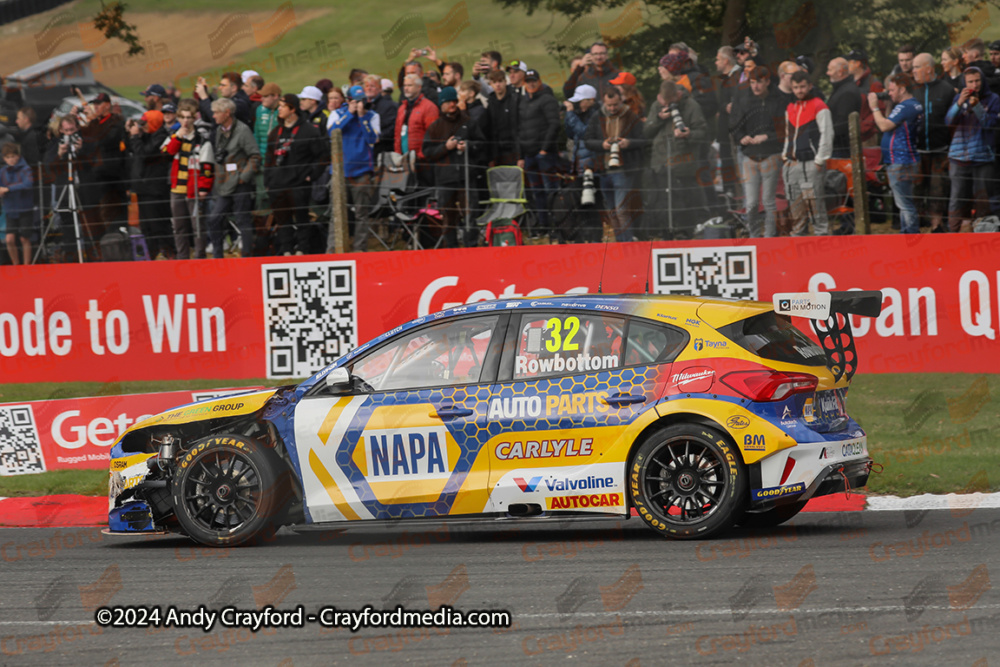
x,y
77,433
285,318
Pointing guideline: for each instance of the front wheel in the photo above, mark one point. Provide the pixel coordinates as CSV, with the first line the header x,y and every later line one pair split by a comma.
x,y
225,491
688,481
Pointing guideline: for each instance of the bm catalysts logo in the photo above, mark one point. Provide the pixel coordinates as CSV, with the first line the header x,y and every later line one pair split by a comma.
x,y
395,455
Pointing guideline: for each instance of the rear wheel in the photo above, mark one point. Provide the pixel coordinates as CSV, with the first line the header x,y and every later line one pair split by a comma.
x,y
772,517
688,481
226,493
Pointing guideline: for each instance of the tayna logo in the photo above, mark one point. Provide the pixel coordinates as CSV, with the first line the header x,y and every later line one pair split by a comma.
x,y
698,344
738,421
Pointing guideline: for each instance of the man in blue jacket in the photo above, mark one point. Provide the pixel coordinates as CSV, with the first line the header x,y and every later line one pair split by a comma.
x,y
15,191
973,115
359,139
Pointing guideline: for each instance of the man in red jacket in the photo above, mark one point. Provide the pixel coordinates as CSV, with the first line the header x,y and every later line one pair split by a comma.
x,y
414,116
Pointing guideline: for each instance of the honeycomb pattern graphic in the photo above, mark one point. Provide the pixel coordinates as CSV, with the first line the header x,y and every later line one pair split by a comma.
x,y
473,432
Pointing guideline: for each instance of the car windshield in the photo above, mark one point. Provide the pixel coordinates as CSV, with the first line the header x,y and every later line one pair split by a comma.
x,y
772,336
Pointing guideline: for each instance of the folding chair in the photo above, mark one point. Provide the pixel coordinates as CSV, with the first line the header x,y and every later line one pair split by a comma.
x,y
399,203
507,201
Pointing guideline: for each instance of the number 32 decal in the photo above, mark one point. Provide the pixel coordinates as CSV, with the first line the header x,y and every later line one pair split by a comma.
x,y
557,328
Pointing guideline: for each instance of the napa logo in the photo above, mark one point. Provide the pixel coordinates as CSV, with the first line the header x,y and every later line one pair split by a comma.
x,y
406,454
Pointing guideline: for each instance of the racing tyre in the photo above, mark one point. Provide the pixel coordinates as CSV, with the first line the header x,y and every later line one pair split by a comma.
x,y
772,517
226,491
688,481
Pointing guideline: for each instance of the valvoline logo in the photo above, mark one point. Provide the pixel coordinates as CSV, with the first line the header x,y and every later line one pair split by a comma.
x,y
564,483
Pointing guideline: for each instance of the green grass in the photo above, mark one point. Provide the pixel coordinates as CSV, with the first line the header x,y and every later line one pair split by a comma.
x,y
351,35
11,393
83,482
931,432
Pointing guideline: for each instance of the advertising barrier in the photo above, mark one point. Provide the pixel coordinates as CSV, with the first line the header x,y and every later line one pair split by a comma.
x,y
77,433
283,318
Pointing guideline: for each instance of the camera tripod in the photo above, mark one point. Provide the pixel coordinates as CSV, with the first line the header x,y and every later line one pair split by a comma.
x,y
70,195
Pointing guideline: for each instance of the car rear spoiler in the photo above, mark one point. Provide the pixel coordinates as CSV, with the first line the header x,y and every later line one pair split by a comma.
x,y
835,333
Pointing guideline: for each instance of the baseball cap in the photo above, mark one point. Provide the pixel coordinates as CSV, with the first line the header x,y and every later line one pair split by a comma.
x,y
311,93
101,97
155,89
532,75
271,89
169,108
856,54
517,64
387,84
355,93
995,45
247,73
154,120
623,78
447,94
584,92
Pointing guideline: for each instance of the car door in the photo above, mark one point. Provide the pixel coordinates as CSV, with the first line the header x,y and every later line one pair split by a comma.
x,y
408,442
570,384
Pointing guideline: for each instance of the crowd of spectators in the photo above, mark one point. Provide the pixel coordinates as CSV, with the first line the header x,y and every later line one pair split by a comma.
x,y
245,168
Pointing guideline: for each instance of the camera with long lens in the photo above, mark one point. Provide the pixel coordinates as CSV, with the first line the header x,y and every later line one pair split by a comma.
x,y
70,141
589,196
675,115
615,159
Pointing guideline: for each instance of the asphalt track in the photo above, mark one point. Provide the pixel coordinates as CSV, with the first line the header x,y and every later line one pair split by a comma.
x,y
894,587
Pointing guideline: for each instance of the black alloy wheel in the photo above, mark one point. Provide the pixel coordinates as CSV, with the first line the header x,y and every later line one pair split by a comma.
x,y
224,491
688,481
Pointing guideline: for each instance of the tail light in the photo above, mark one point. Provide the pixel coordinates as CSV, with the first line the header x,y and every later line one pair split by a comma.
x,y
770,385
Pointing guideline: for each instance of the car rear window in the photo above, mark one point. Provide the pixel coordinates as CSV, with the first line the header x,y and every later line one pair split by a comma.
x,y
772,336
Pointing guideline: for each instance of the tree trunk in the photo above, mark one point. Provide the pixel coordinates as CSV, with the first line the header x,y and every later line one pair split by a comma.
x,y
734,22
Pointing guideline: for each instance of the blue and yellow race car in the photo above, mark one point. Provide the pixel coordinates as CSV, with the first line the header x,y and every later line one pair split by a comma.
x,y
697,413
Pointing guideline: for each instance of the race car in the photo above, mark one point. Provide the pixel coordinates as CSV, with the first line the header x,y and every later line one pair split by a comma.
x,y
697,413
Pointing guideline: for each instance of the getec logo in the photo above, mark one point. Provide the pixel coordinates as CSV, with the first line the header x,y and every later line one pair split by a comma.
x,y
564,483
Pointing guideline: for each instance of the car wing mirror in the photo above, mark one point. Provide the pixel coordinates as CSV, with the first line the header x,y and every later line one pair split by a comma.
x,y
338,378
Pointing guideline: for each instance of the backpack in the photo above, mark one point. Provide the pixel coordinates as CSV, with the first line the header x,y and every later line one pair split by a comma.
x,y
116,247
503,232
990,223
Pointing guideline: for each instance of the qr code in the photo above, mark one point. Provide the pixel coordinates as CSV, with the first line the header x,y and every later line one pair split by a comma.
x,y
310,313
20,448
728,272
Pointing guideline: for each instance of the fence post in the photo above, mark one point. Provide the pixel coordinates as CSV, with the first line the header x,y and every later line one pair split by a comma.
x,y
337,238
860,194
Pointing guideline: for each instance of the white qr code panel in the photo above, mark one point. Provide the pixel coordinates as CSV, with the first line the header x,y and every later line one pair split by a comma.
x,y
20,448
310,314
728,272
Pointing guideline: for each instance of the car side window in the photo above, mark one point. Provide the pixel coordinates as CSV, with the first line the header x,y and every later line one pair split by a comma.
x,y
447,353
567,343
651,343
